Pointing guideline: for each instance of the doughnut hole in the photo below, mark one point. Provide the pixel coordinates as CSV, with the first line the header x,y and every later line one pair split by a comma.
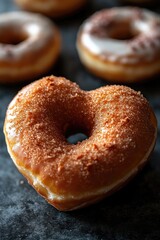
x,y
123,31
76,137
14,37
80,127
78,131
123,34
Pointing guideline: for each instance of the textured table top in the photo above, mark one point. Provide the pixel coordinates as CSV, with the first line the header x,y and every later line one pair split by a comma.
x,y
132,213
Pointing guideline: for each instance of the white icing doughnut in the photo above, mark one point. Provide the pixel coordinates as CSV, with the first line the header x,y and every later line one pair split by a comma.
x,y
125,36
29,46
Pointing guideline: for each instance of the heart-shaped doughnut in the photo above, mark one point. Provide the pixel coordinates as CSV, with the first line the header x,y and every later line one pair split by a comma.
x,y
121,129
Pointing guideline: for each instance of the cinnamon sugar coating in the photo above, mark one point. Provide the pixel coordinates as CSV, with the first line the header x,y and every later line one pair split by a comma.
x,y
119,122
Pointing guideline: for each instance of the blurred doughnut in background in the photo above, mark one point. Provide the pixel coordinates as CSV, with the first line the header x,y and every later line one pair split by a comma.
x,y
52,8
29,46
121,44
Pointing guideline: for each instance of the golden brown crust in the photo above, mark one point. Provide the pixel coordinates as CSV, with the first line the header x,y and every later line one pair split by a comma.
x,y
31,51
51,8
118,72
119,122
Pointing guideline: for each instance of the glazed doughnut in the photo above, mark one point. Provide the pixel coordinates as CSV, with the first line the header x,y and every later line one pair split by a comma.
x,y
29,52
71,176
52,8
126,54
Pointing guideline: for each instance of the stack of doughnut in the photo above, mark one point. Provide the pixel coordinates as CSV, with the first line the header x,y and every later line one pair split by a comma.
x,y
52,8
31,50
121,44
121,129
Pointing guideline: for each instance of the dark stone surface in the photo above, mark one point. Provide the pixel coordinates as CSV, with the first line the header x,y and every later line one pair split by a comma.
x,y
132,213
